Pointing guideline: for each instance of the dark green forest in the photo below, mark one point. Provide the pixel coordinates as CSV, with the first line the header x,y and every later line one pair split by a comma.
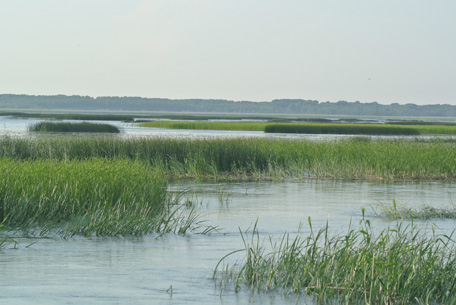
x,y
279,106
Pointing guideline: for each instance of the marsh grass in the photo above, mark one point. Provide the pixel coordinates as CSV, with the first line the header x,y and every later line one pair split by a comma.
x,y
5,240
317,126
255,158
399,265
86,197
349,129
208,125
424,211
421,123
72,127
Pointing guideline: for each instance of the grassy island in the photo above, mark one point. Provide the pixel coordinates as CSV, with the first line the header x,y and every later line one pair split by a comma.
x,y
412,128
72,127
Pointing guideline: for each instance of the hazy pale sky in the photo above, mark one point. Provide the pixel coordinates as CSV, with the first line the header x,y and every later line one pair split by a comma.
x,y
387,51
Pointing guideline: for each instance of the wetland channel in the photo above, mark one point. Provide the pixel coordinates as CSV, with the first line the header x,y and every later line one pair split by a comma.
x,y
175,269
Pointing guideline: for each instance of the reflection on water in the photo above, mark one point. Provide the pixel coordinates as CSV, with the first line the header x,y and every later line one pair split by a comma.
x,y
177,269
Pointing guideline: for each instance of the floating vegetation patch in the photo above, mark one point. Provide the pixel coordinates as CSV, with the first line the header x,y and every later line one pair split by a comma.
x,y
347,129
88,197
72,127
399,265
423,211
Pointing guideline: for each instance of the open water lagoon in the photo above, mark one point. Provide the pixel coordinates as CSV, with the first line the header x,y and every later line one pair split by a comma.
x,y
17,127
174,269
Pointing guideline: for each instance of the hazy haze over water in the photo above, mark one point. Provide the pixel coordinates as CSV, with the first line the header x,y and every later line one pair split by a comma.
x,y
384,51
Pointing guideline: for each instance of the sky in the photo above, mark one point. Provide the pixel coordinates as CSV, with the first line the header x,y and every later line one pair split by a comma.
x,y
388,51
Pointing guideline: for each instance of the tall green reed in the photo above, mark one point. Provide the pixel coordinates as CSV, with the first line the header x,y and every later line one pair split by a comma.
x,y
208,125
5,240
350,129
399,265
87,197
311,127
256,158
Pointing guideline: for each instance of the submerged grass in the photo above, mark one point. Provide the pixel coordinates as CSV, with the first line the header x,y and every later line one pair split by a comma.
x,y
72,127
88,197
424,211
255,158
400,265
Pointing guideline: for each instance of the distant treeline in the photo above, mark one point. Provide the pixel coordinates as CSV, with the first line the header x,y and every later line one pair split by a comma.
x,y
281,106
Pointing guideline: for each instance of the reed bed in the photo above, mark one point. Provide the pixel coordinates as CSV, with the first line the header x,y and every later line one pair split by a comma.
x,y
421,123
364,129
424,211
442,129
72,127
312,127
256,158
248,126
88,197
399,265
351,129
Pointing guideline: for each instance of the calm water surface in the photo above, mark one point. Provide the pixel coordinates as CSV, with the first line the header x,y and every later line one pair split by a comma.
x,y
17,127
142,270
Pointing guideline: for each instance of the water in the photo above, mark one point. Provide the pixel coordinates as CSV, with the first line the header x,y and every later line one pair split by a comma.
x,y
17,127
176,269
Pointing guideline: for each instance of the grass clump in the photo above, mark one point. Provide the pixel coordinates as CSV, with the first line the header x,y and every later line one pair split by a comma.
x,y
400,265
424,211
72,127
87,197
4,239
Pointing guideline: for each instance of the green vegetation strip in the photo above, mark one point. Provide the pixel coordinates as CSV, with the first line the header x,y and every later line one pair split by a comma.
x,y
72,127
247,126
400,265
360,129
256,158
85,197
310,128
